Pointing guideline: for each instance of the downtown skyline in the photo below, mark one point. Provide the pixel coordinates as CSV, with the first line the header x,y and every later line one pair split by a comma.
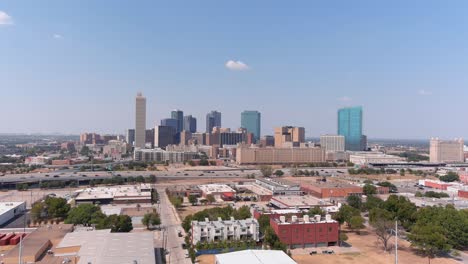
x,y
296,63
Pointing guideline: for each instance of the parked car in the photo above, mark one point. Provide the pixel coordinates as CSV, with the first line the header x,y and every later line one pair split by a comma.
x,y
328,252
314,252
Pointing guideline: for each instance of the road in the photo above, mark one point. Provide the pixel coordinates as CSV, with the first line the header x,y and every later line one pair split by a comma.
x,y
171,225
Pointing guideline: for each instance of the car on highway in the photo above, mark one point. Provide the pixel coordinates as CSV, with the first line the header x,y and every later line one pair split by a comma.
x,y
56,176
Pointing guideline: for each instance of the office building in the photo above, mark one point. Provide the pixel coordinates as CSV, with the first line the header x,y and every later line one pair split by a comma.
x,y
179,116
199,138
307,232
350,126
90,138
447,151
279,187
190,124
163,136
170,122
123,194
115,149
221,230
140,121
332,143
149,134
304,155
224,136
267,141
251,120
213,119
185,137
130,136
289,136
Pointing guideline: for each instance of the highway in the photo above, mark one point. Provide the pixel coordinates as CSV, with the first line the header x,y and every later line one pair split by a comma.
x,y
171,225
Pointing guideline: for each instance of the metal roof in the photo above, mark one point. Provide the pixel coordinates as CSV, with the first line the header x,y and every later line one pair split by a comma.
x,y
255,257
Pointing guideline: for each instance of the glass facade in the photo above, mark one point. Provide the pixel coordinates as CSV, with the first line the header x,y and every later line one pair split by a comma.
x,y
350,126
251,121
179,116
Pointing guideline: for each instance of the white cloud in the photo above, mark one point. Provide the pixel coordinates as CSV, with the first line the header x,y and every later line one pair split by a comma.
x,y
5,19
345,99
57,36
236,65
424,92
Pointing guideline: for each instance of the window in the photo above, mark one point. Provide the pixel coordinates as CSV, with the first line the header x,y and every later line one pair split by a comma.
x,y
330,229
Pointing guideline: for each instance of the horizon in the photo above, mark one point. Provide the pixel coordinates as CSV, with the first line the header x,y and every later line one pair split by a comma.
x,y
80,68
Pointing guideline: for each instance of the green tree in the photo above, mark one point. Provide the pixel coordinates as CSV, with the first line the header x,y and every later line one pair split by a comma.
x,y
151,219
354,201
356,223
372,202
84,151
390,186
266,170
450,177
83,214
279,173
211,199
264,222
345,214
119,223
383,224
242,213
37,211
57,207
429,240
316,210
369,189
193,199
402,172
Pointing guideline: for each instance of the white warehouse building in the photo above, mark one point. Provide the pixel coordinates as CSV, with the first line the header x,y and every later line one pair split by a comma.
x,y
9,210
208,231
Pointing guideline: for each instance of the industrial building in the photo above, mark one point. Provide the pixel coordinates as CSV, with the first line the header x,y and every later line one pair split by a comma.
x,y
9,210
102,247
325,190
115,194
332,143
183,191
224,230
366,158
254,257
303,202
279,186
219,191
307,232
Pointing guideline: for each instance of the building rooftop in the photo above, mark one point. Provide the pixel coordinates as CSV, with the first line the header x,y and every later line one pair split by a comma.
x,y
221,223
104,247
257,189
215,188
7,206
298,201
112,192
277,182
255,257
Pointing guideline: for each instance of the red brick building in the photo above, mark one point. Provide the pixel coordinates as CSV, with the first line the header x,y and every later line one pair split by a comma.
x,y
325,190
307,232
463,194
436,184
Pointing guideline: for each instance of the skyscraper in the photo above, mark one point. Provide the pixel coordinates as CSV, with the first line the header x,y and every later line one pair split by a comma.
x,y
171,122
179,116
140,121
130,136
251,120
289,136
190,124
163,136
213,119
350,126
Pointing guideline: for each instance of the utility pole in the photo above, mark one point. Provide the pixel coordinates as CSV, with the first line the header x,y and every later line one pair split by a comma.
x,y
396,242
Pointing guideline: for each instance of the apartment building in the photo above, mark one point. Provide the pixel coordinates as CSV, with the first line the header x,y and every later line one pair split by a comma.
x,y
303,155
208,231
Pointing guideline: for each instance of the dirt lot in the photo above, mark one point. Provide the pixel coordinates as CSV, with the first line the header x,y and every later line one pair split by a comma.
x,y
371,252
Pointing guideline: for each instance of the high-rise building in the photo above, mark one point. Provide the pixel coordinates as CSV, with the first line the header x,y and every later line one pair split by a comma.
x,y
179,116
171,122
251,120
350,126
289,136
149,138
185,136
332,143
267,141
190,124
130,136
213,119
140,121
163,136
450,151
224,136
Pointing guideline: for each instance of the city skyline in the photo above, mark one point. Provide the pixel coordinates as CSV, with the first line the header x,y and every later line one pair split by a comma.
x,y
405,68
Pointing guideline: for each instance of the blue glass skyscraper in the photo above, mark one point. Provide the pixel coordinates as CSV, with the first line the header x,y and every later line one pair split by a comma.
x,y
251,120
350,126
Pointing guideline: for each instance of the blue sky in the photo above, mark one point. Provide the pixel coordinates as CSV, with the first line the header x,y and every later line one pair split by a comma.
x,y
74,66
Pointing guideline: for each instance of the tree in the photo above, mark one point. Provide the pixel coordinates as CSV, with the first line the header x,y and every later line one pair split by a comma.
x,y
119,223
391,186
242,213
372,202
210,198
279,173
37,211
354,201
151,219
345,214
429,240
84,214
356,222
313,211
266,171
264,222
193,199
84,151
57,207
383,224
402,172
343,237
450,177
369,189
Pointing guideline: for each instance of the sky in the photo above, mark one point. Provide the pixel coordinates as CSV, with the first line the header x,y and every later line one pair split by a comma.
x,y
76,66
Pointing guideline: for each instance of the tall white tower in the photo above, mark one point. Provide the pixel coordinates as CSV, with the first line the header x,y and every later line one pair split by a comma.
x,y
140,121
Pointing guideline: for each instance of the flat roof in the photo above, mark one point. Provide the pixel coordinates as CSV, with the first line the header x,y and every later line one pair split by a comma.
x,y
257,189
300,201
104,247
112,192
7,206
255,257
214,188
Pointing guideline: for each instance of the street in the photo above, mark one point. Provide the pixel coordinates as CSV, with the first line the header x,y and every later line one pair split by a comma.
x,y
171,226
